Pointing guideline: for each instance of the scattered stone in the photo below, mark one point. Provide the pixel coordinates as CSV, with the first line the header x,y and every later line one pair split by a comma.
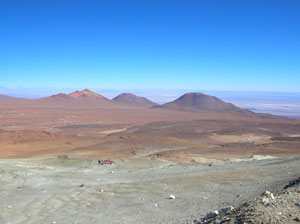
x,y
102,190
265,200
268,194
172,197
211,215
9,207
285,209
155,205
226,210
81,185
112,171
251,221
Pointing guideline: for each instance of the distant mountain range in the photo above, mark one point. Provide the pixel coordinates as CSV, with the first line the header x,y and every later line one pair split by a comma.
x,y
188,101
88,97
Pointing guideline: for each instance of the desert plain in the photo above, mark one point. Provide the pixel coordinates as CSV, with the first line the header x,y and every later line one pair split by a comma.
x,y
206,153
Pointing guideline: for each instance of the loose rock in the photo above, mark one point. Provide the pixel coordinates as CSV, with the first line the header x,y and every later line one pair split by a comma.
x,y
211,215
226,210
172,197
268,194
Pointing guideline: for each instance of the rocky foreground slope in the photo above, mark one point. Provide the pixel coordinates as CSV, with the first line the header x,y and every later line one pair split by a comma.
x,y
283,207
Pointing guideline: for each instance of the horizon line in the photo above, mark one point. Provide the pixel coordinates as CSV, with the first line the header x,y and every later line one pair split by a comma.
x,y
136,89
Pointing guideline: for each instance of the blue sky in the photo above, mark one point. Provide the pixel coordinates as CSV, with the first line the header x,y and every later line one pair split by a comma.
x,y
143,44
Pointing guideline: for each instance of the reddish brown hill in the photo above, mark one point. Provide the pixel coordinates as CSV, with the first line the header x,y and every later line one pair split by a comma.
x,y
200,101
129,98
77,98
87,94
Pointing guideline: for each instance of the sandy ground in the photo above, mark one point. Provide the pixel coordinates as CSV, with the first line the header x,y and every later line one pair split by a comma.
x,y
78,190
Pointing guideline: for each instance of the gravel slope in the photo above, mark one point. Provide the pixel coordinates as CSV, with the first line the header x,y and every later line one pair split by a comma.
x,y
64,190
283,207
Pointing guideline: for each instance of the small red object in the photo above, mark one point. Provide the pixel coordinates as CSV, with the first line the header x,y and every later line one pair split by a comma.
x,y
108,162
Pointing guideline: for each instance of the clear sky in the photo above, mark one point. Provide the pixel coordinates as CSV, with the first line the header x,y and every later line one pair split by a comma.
x,y
124,44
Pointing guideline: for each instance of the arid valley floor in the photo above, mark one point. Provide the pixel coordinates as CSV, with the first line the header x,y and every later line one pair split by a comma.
x,y
208,155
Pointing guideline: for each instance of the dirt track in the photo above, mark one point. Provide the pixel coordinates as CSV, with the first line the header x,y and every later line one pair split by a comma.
x,y
158,151
63,190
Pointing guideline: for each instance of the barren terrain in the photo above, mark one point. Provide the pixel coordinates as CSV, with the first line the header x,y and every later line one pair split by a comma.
x,y
199,134
78,190
208,160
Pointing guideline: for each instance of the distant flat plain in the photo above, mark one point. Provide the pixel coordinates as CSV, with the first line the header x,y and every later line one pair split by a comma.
x,y
283,104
